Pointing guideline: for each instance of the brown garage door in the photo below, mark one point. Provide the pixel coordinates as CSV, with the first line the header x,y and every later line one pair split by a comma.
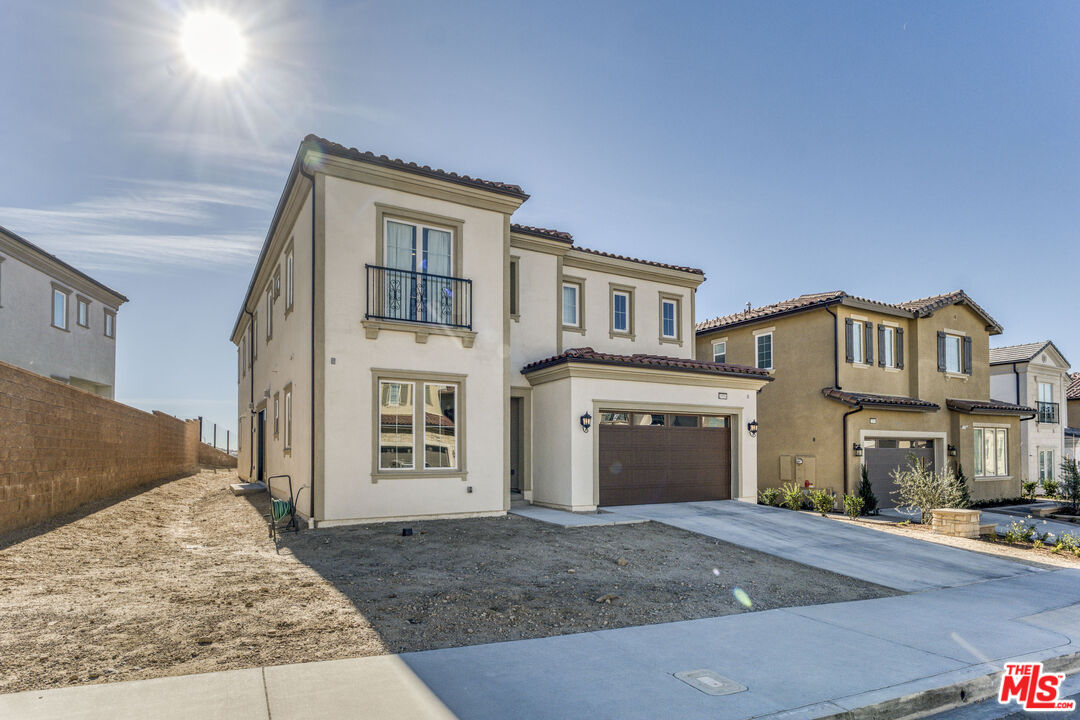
x,y
656,464
882,457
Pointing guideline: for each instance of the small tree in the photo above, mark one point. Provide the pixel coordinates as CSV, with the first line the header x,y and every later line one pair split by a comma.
x,y
1070,484
1050,487
965,493
1029,488
866,492
822,501
920,488
853,506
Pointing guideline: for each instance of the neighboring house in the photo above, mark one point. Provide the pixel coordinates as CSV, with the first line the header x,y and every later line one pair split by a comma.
x,y
1072,443
861,381
55,320
1072,398
404,350
1034,374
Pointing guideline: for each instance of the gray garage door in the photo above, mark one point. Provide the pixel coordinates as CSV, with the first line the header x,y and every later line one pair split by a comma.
x,y
884,455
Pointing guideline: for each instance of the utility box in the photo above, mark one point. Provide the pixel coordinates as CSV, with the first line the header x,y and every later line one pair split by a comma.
x,y
805,470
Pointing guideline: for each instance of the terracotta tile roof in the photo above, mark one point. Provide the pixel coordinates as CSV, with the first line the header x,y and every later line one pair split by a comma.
x,y
52,258
1072,390
589,356
314,142
803,302
925,307
987,406
856,399
683,268
542,232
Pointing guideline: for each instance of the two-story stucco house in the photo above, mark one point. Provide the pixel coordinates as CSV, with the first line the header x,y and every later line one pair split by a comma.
x,y
405,350
861,381
1036,375
56,320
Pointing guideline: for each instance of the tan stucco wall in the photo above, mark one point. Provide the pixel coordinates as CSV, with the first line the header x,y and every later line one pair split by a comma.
x,y
534,335
1074,413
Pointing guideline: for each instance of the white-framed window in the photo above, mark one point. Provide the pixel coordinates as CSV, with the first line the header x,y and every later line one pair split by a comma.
x,y
289,280
277,413
440,429
418,425
82,312
719,351
991,452
397,436
954,353
887,351
620,311
59,309
571,304
277,282
254,335
288,418
515,270
1046,465
110,324
669,318
764,353
270,311
858,334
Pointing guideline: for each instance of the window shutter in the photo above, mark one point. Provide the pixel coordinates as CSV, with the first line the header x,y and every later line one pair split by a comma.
x,y
940,351
869,334
849,343
900,348
967,355
881,345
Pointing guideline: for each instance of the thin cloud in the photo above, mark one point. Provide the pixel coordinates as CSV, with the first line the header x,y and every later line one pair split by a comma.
x,y
220,151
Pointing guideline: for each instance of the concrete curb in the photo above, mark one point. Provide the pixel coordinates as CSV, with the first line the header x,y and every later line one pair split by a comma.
x,y
950,697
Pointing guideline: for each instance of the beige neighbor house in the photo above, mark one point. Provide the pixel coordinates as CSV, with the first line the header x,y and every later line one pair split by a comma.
x,y
55,320
1034,374
861,381
405,351
1072,431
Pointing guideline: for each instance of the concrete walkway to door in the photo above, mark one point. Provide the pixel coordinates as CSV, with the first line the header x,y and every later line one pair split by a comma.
x,y
894,561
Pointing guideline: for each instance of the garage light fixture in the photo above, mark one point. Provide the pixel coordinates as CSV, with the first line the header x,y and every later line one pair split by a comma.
x,y
952,451
586,422
857,449
752,428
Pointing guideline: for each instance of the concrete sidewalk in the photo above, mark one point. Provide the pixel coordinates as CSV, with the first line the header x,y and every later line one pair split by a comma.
x,y
798,662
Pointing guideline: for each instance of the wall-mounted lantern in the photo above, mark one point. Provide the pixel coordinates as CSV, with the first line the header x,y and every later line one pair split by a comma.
x,y
586,422
752,428
952,451
856,448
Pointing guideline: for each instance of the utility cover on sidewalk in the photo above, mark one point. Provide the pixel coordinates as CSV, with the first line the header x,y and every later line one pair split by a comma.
x,y
709,682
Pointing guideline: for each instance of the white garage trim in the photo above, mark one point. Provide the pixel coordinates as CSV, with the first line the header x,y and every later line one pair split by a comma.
x,y
939,447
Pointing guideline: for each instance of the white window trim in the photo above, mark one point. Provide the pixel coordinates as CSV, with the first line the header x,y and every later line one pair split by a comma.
x,y
959,372
66,295
721,341
858,334
81,302
418,239
289,288
629,303
579,291
772,350
110,326
288,420
674,304
994,427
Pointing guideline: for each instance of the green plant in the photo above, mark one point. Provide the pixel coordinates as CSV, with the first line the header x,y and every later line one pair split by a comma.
x,y
965,494
1019,532
1029,487
1050,488
1070,483
769,496
853,506
920,488
792,496
822,501
866,491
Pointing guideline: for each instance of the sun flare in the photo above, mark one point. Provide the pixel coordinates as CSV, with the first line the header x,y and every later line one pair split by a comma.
x,y
213,44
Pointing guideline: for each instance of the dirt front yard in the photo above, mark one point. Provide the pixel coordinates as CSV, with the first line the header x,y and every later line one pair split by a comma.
x,y
181,578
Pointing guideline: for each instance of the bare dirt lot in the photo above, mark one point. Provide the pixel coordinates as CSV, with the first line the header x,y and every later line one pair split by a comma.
x,y
181,578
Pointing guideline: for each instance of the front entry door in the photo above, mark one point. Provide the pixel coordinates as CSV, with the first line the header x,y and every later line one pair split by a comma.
x,y
260,447
517,444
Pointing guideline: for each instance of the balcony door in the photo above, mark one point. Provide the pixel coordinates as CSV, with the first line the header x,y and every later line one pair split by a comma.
x,y
421,261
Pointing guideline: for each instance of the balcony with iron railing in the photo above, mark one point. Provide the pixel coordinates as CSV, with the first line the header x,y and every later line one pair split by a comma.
x,y
414,297
1048,412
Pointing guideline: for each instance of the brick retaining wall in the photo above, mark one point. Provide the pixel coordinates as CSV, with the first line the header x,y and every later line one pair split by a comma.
x,y
212,457
61,447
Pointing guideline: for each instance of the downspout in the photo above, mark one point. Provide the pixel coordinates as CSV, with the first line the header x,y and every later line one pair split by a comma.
x,y
300,167
843,454
836,347
1017,374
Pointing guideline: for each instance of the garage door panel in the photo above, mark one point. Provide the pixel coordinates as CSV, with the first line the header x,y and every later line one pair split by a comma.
x,y
882,462
646,464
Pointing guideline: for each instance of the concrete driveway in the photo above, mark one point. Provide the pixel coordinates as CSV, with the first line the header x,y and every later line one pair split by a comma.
x,y
890,560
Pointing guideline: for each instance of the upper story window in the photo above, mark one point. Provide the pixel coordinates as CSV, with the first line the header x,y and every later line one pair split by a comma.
x,y
59,308
254,335
859,341
991,452
270,311
110,324
289,280
277,282
1048,409
670,320
622,303
857,334
288,417
1046,392
571,304
954,353
890,346
419,248
82,312
764,344
515,270
719,351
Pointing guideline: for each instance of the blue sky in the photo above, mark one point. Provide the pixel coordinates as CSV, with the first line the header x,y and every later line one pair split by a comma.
x,y
893,150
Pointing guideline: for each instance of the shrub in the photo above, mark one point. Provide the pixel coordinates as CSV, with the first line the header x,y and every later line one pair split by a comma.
x,y
822,501
920,488
769,496
1029,487
792,496
1019,532
1070,483
1050,488
853,506
965,494
866,491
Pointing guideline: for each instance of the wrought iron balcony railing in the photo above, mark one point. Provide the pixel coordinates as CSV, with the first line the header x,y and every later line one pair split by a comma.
x,y
1048,412
408,296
